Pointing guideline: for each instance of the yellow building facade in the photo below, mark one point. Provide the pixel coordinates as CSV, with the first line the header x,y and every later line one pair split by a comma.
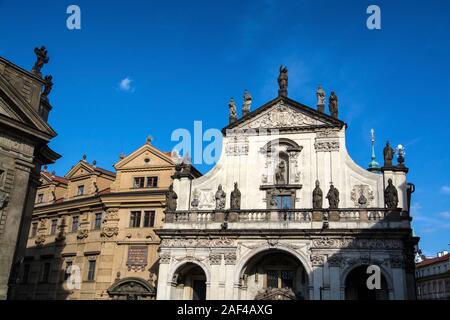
x,y
92,234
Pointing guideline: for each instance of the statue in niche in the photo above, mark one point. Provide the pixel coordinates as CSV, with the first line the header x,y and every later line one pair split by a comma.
x,y
41,59
233,114
171,199
391,195
317,196
271,198
320,93
220,198
283,81
235,198
388,154
333,105
280,174
333,197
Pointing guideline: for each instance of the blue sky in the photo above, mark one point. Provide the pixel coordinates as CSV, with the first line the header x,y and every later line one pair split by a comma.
x,y
185,59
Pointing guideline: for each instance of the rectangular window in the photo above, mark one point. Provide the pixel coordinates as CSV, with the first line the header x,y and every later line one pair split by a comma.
x,y
46,272
91,270
66,271
138,182
152,182
98,221
149,219
40,198
80,191
135,219
34,227
54,226
74,223
284,202
26,273
272,279
287,279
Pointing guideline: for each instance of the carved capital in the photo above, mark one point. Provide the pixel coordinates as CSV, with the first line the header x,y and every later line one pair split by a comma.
x,y
215,258
317,260
230,258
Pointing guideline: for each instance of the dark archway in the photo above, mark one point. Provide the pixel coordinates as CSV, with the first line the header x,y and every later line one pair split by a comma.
x,y
189,283
274,275
356,286
132,289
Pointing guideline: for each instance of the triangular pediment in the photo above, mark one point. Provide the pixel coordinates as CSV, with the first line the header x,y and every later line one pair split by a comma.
x,y
283,113
20,112
79,170
145,156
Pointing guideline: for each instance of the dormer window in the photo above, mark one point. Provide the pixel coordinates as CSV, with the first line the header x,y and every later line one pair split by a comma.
x,y
80,190
138,182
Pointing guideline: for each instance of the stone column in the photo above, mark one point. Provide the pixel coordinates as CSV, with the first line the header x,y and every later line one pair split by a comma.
x,y
230,261
215,261
14,211
334,263
317,261
164,282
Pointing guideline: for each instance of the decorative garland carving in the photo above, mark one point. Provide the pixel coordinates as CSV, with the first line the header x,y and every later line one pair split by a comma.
x,y
327,243
208,243
323,146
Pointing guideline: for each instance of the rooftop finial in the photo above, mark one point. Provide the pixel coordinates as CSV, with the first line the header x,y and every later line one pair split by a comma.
x,y
333,105
41,59
283,81
373,165
233,113
247,103
149,139
320,93
45,168
84,157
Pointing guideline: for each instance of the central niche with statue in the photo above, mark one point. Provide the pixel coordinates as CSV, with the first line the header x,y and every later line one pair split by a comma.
x,y
282,179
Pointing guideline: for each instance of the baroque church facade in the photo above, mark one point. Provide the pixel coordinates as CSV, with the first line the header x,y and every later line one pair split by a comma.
x,y
287,214
24,137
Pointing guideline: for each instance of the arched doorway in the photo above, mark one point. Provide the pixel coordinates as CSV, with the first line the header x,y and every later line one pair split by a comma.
x,y
274,275
189,283
356,286
132,289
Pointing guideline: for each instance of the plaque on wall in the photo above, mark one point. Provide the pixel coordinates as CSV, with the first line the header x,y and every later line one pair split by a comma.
x,y
137,258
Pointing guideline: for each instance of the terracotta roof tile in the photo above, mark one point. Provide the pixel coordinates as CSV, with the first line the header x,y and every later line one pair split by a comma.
x,y
427,262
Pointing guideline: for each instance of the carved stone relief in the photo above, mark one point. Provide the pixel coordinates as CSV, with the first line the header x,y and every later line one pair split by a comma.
x,y
357,243
362,196
280,116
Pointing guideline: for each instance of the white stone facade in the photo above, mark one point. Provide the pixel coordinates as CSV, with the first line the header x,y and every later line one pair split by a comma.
x,y
313,251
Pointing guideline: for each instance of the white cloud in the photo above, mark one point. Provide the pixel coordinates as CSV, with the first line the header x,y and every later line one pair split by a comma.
x,y
445,189
445,214
125,85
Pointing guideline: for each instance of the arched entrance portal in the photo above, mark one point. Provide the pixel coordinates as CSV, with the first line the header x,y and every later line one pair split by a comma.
x,y
274,275
132,289
356,286
189,283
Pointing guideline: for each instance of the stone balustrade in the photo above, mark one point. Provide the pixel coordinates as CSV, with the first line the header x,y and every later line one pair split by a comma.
x,y
294,215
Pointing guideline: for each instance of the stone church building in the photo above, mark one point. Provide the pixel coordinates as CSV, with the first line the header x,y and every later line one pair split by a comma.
x,y
287,214
24,137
